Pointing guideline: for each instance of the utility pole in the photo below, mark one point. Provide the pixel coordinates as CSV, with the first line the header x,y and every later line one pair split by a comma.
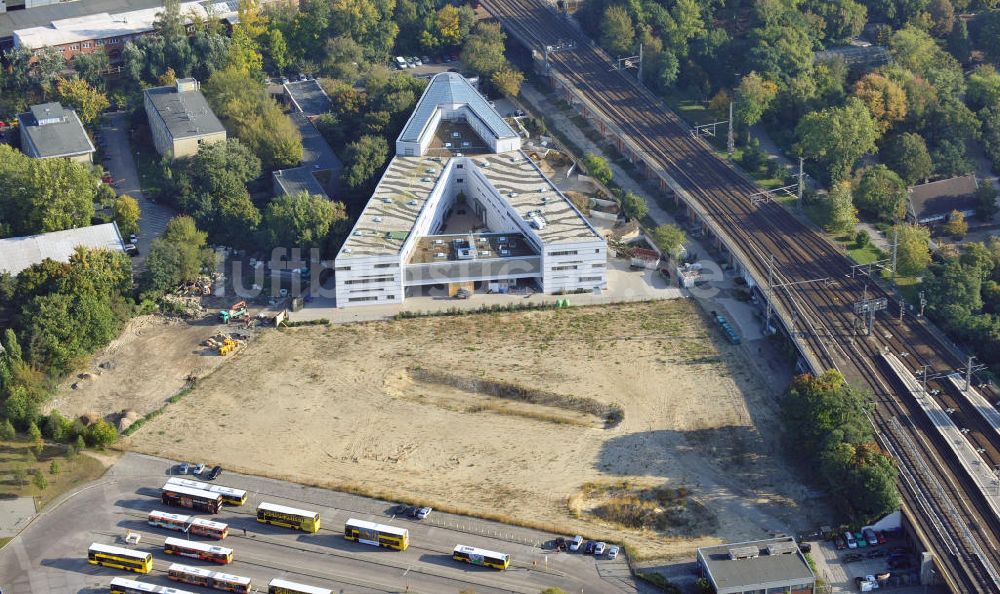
x,y
640,63
801,176
895,247
770,294
923,302
968,373
731,138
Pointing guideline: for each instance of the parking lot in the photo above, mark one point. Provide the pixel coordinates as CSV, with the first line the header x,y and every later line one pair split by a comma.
x,y
50,555
840,568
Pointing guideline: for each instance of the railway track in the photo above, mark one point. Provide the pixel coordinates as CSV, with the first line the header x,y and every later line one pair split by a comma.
x,y
948,508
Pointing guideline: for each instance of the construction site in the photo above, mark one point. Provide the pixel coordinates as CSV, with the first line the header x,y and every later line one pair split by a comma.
x,y
526,417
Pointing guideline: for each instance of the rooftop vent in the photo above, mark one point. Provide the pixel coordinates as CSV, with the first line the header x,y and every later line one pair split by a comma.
x,y
412,202
347,250
387,200
536,220
377,219
782,548
750,552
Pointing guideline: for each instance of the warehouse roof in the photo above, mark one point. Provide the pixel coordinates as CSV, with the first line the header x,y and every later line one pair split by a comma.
x,y
450,88
60,134
18,253
185,113
14,20
755,564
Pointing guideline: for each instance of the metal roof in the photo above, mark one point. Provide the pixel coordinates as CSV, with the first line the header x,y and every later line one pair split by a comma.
x,y
18,253
450,88
65,138
763,571
185,113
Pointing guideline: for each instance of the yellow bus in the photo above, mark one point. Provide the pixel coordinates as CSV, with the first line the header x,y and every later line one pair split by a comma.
x,y
119,558
481,557
289,517
286,587
378,535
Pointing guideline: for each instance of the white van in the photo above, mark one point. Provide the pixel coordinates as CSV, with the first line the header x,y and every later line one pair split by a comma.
x,y
851,542
574,545
401,62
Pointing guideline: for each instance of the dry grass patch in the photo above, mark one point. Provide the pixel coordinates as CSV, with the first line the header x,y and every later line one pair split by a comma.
x,y
626,504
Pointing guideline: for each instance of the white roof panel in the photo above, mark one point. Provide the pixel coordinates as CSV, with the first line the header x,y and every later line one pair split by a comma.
x,y
18,253
450,88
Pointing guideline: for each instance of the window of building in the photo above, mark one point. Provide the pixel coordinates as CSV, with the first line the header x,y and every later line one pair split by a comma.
x,y
363,281
588,279
597,251
390,265
460,180
565,253
372,298
342,268
598,265
99,42
460,166
390,297
573,267
75,47
86,45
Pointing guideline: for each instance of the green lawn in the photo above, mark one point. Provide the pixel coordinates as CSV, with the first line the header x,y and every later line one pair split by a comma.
x,y
17,454
147,161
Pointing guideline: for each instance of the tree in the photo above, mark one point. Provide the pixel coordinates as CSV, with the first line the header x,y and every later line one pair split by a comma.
x,y
42,195
277,50
634,206
884,99
20,475
100,434
913,252
91,68
983,87
177,256
85,99
39,481
882,193
54,427
958,42
6,430
950,159
61,329
364,159
956,225
991,133
617,30
127,214
483,49
843,216
508,81
942,15
780,52
752,98
598,168
245,44
838,136
986,201
988,35
79,444
670,239
301,220
918,52
843,19
48,68
54,467
34,433
907,155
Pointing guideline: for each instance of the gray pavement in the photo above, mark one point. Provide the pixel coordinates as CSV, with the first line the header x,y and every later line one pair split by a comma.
x,y
49,556
120,163
15,514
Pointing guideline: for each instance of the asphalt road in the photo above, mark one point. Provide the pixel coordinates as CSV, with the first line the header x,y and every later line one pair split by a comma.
x,y
49,557
120,163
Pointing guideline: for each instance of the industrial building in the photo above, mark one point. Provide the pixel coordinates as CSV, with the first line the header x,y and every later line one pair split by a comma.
x,y
772,566
18,253
180,119
461,206
50,131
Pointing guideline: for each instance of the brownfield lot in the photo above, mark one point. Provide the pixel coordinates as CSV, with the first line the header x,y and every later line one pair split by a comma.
x,y
397,409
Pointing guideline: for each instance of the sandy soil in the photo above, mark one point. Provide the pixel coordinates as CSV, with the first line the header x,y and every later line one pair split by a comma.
x,y
150,362
340,406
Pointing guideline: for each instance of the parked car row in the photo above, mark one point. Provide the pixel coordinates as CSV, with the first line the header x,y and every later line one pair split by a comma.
x,y
403,62
867,537
412,511
591,547
198,469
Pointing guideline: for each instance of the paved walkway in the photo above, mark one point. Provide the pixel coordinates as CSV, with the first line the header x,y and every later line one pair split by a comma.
x,y
120,163
15,514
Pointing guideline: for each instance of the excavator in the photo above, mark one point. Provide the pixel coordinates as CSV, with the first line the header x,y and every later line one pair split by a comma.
x,y
236,312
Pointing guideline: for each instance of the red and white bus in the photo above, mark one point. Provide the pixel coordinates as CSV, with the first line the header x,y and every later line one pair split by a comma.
x,y
230,495
197,550
209,528
175,522
197,499
207,578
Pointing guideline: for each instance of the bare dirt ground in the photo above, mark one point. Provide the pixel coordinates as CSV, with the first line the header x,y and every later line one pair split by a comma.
x,y
398,408
150,362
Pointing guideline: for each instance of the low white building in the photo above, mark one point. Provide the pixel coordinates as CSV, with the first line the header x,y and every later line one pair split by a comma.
x,y
462,206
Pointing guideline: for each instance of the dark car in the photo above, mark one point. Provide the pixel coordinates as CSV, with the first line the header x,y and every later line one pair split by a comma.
x,y
852,557
588,549
560,544
839,543
413,511
805,547
880,536
214,474
876,554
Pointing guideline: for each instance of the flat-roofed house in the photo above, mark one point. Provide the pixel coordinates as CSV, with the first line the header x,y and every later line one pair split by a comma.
x,y
50,131
180,119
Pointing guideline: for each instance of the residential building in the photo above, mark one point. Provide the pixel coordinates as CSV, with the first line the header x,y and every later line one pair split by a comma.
x,y
50,131
772,566
462,206
933,202
18,253
180,119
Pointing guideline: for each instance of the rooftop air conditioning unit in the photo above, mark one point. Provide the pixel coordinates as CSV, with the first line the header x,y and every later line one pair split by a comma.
x,y
377,219
347,250
387,200
412,202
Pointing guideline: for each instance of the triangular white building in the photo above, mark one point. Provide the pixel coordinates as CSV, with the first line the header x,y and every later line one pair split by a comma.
x,y
461,205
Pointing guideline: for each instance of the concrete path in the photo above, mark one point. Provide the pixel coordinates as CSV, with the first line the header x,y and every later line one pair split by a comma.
x,y
120,163
15,514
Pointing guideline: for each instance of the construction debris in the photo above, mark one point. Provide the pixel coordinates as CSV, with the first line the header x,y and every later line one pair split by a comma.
x,y
224,344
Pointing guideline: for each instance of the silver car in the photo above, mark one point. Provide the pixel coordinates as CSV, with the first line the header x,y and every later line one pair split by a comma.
x,y
613,552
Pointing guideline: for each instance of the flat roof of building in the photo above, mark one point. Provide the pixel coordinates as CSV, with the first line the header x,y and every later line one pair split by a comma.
x,y
18,253
60,139
451,88
523,185
297,180
14,20
308,97
186,113
84,25
470,246
390,214
765,568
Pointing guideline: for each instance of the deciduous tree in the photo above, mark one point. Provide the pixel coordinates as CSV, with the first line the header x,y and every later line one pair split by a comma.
x,y
956,225
843,216
838,136
913,252
670,239
882,193
127,214
617,30
908,156
884,99
301,220
752,98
